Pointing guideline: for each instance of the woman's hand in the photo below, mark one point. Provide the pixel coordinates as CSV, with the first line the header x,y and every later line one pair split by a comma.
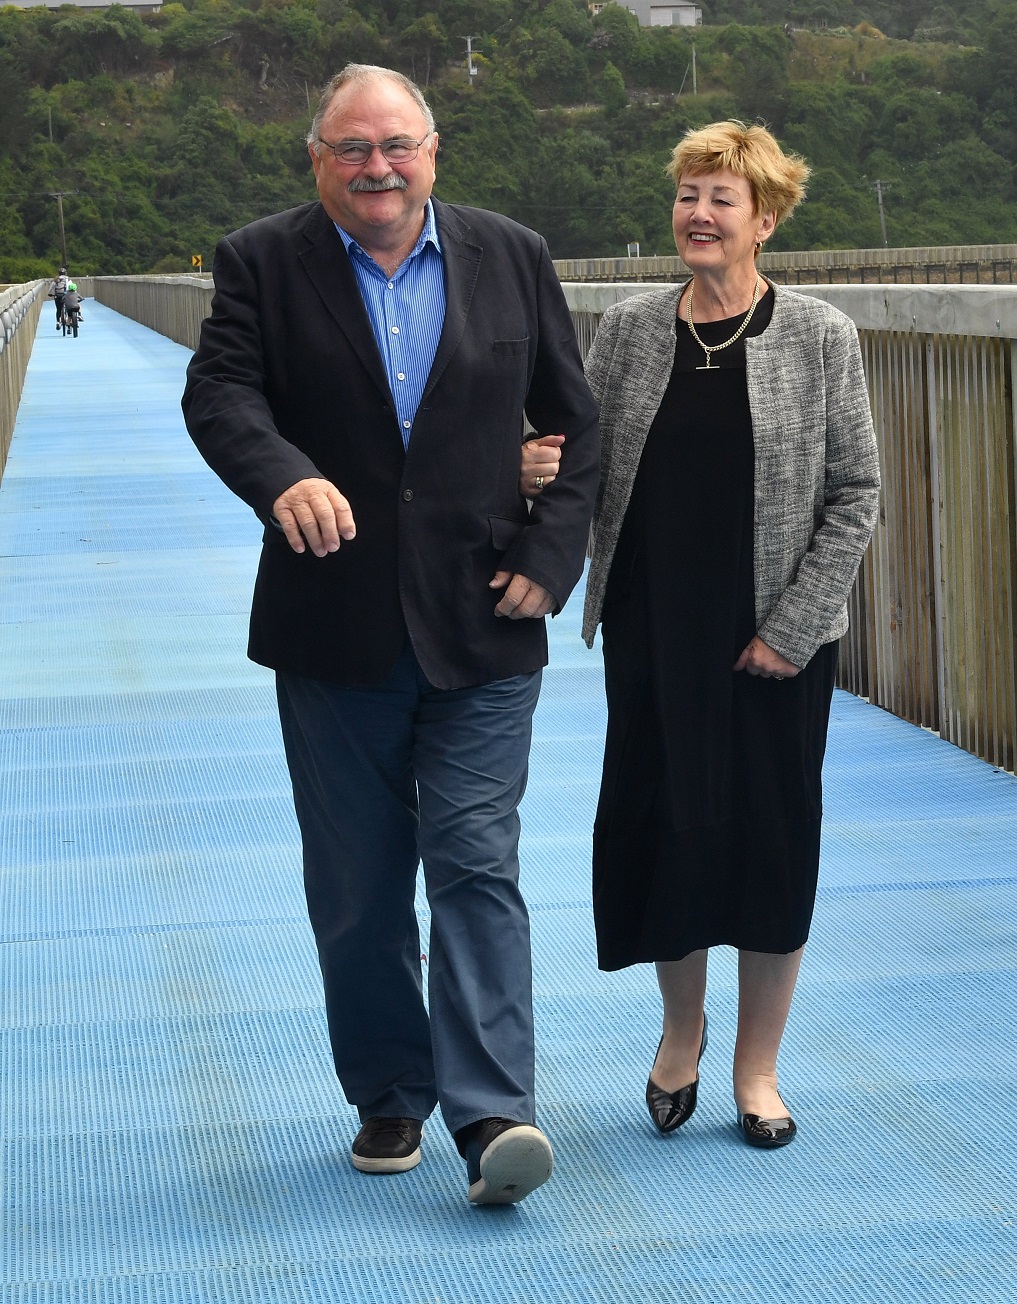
x,y
541,458
760,659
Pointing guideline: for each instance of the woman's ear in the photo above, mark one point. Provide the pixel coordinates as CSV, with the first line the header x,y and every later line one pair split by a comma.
x,y
767,226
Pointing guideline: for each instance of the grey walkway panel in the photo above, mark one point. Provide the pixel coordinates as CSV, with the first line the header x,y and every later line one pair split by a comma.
x,y
171,1125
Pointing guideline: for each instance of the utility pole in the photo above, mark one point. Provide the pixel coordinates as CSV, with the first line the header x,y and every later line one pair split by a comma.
x,y
695,90
471,67
58,195
882,215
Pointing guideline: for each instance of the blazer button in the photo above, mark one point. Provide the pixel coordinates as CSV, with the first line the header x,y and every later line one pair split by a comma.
x,y
407,495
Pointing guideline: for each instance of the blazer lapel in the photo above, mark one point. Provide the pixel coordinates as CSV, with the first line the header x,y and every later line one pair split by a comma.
x,y
462,257
328,268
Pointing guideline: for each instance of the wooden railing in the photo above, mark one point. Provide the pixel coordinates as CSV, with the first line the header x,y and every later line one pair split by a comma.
x,y
934,612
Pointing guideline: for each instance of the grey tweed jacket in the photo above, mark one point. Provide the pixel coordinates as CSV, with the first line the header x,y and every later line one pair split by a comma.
x,y
816,462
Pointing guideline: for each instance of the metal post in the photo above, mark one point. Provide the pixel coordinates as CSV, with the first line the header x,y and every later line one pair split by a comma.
x,y
63,239
58,195
882,215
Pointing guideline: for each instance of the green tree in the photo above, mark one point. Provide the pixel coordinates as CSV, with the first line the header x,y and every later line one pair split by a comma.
x,y
616,33
353,40
423,43
830,124
613,94
113,40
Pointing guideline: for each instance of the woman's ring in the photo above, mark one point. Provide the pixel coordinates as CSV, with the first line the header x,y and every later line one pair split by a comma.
x,y
538,482
779,678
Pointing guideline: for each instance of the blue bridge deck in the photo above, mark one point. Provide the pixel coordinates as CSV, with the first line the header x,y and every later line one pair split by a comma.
x,y
170,1122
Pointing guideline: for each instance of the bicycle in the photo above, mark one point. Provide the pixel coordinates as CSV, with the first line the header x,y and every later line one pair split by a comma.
x,y
69,321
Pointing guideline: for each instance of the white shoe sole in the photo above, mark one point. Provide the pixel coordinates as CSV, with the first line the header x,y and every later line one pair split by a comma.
x,y
512,1166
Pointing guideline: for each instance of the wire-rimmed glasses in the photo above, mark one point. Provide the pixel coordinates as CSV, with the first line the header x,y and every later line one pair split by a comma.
x,y
401,149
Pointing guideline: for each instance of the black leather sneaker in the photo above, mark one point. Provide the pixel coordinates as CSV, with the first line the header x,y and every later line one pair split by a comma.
x,y
388,1145
505,1160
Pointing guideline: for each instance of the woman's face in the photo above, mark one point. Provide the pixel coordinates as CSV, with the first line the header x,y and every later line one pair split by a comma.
x,y
715,223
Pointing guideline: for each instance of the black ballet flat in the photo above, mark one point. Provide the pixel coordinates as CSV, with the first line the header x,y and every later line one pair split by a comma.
x,y
767,1133
670,1109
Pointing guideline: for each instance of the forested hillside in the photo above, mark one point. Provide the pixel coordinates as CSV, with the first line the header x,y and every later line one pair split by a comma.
x,y
167,130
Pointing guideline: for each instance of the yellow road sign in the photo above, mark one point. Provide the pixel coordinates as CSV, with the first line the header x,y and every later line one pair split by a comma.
x,y
196,261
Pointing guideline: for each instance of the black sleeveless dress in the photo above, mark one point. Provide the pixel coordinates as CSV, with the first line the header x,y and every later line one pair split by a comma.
x,y
707,831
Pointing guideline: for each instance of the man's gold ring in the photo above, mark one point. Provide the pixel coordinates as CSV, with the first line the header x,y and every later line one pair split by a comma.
x,y
538,482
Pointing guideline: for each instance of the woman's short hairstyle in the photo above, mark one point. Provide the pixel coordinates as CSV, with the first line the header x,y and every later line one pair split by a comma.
x,y
777,180
362,74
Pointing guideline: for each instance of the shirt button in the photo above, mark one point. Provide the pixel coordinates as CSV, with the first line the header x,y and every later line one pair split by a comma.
x,y
395,330
407,495
400,375
406,425
391,285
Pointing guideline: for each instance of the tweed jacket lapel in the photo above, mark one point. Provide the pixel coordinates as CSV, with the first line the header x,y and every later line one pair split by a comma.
x,y
642,361
628,369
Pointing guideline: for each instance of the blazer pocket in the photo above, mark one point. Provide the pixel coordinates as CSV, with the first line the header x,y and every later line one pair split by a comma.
x,y
511,348
504,532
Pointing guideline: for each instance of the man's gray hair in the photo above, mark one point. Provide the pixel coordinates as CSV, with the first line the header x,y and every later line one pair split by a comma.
x,y
362,74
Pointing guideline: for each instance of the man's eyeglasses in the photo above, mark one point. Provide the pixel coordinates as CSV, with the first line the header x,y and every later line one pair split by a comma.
x,y
357,152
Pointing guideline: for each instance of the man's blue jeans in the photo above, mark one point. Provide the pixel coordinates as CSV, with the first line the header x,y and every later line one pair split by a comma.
x,y
385,778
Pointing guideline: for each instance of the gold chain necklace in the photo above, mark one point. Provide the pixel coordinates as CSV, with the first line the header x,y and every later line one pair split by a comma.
x,y
716,348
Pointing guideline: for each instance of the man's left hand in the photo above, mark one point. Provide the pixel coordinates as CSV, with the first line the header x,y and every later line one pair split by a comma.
x,y
522,599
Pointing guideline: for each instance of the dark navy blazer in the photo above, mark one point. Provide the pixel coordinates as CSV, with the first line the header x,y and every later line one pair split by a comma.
x,y
288,382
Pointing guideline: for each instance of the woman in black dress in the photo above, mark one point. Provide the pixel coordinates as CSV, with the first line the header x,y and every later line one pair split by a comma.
x,y
739,490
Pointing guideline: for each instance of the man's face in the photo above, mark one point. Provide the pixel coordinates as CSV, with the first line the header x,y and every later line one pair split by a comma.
x,y
383,219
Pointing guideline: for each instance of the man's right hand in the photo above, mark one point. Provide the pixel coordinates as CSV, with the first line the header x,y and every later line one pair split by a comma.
x,y
316,512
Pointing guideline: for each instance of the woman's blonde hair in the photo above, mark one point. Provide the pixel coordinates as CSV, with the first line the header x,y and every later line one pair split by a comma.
x,y
777,180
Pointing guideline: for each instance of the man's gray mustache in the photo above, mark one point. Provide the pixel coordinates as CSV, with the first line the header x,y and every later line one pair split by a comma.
x,y
392,182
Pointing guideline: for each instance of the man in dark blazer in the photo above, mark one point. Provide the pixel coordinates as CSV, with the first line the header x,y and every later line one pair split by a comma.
x,y
361,383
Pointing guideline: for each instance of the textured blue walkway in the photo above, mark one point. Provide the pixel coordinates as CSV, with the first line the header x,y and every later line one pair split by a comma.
x,y
171,1126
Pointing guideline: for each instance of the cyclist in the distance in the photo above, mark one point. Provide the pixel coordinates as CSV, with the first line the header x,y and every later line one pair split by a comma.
x,y
57,291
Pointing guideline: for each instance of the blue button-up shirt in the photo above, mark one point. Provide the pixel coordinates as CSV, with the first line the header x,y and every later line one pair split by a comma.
x,y
407,313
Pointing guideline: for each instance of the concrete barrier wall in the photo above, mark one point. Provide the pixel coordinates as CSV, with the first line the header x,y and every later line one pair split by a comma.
x,y
20,308
175,306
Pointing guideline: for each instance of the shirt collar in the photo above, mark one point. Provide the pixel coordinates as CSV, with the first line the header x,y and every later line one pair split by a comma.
x,y
429,235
